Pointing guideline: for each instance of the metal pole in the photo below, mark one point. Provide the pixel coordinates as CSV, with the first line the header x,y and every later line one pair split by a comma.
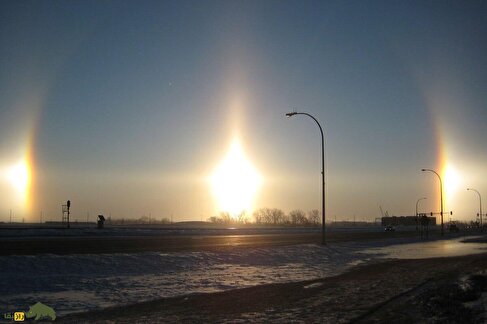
x,y
480,200
68,203
441,197
417,219
322,171
417,204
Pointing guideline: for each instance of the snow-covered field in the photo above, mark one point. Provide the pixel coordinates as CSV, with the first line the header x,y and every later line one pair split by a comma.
x,y
75,283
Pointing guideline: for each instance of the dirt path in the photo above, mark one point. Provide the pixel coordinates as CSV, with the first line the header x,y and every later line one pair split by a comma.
x,y
399,291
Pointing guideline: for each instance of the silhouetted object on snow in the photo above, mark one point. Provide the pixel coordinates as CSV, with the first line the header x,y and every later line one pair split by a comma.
x,y
65,219
425,221
453,228
101,221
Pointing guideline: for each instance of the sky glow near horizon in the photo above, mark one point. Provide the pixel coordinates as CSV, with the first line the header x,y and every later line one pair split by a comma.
x,y
235,181
127,108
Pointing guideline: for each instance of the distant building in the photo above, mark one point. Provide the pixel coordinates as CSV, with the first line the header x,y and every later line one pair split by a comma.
x,y
352,224
405,221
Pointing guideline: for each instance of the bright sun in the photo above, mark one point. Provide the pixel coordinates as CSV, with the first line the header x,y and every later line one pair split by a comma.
x,y
451,181
235,181
19,176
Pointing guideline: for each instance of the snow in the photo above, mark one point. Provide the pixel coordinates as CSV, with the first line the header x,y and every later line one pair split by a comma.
x,y
75,283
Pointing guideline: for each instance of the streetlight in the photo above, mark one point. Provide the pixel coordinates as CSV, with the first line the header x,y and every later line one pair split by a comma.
x,y
441,197
322,169
417,220
480,199
417,205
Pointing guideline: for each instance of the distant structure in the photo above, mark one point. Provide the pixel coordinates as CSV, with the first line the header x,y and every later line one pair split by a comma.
x,y
101,221
424,223
65,208
405,220
386,214
352,224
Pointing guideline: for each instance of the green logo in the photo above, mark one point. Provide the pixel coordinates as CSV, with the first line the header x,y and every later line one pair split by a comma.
x,y
40,311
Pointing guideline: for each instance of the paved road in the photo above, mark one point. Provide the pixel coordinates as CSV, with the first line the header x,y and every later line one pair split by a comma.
x,y
131,244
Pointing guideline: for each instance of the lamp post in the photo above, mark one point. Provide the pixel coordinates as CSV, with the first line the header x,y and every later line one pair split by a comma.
x,y
441,197
417,202
322,170
480,199
417,216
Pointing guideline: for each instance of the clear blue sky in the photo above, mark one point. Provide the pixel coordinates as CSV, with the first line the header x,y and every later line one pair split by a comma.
x,y
125,107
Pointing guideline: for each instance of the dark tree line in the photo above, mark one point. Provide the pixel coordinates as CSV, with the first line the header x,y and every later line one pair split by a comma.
x,y
270,216
141,220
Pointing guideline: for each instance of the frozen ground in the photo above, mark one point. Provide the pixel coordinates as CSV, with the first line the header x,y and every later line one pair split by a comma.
x,y
76,283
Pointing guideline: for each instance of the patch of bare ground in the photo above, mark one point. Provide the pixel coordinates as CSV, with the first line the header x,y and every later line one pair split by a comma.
x,y
403,291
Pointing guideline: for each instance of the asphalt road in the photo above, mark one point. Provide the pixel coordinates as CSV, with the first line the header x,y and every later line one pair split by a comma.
x,y
131,244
